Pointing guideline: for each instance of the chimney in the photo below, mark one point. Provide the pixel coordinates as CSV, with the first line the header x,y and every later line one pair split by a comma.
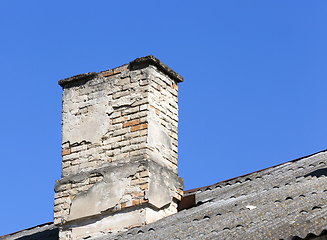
x,y
119,149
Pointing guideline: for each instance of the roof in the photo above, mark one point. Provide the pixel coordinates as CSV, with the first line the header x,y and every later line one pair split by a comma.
x,y
142,61
44,231
287,201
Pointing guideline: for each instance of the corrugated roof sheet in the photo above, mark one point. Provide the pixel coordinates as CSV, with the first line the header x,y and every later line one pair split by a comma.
x,y
288,201
44,231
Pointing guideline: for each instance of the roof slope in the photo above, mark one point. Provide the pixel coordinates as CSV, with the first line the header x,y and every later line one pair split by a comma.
x,y
288,201
44,231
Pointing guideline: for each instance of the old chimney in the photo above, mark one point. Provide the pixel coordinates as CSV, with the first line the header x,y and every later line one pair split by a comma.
x,y
119,149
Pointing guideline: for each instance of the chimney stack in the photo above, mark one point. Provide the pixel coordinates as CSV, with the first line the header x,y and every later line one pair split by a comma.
x,y
119,149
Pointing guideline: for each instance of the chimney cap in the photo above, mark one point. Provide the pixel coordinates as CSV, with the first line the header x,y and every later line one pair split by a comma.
x,y
149,60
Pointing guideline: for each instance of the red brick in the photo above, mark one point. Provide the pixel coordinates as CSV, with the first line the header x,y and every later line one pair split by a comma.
x,y
136,202
138,194
139,127
144,186
131,123
65,152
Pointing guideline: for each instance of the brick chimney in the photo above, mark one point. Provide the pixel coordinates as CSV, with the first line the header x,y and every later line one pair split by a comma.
x,y
119,149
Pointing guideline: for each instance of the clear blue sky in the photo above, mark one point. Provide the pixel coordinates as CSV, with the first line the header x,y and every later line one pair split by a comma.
x,y
254,93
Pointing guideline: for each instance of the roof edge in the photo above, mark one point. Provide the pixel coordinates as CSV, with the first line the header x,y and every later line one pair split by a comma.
x,y
244,175
26,229
149,60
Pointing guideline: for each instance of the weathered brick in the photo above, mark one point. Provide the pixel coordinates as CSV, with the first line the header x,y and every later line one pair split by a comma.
x,y
136,202
120,132
144,174
138,181
144,186
175,87
139,127
116,70
129,148
131,123
120,119
108,73
138,194
180,192
57,220
143,200
115,114
155,109
112,140
143,107
78,148
124,81
65,152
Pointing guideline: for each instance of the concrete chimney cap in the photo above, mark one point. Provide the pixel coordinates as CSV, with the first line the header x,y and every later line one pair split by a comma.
x,y
149,60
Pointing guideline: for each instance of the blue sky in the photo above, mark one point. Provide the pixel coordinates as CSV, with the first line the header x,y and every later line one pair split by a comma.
x,y
253,96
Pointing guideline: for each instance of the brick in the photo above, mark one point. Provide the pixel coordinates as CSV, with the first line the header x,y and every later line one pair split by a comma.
x,y
143,107
175,87
131,110
57,221
124,68
120,94
156,110
140,102
138,140
124,81
57,208
144,186
139,127
120,132
108,73
123,205
78,148
136,202
60,200
143,132
138,181
180,192
120,119
142,200
116,70
144,174
65,152
112,140
138,194
131,123
115,114
129,148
